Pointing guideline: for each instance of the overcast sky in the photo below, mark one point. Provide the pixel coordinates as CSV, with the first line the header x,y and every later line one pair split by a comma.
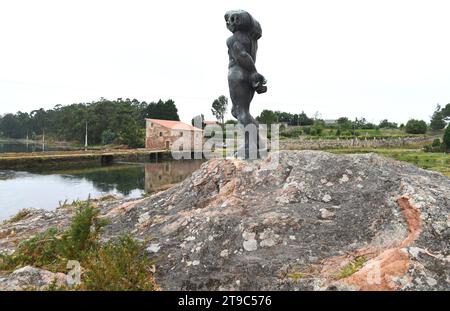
x,y
376,59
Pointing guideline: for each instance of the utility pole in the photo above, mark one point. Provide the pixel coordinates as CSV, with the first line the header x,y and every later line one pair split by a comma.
x,y
86,138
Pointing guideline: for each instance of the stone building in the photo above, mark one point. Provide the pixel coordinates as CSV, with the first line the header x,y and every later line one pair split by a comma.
x,y
162,134
210,122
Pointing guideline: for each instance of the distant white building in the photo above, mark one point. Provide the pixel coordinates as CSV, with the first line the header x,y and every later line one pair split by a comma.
x,y
330,121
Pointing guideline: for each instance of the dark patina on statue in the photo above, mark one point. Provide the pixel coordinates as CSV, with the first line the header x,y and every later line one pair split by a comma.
x,y
243,78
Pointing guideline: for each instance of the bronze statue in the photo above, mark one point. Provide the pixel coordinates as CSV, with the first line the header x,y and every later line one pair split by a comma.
x,y
243,78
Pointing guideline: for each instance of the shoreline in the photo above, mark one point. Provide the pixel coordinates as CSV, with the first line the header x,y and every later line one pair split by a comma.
x,y
49,142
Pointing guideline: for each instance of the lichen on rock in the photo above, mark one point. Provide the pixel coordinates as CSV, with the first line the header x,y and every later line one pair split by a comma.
x,y
247,225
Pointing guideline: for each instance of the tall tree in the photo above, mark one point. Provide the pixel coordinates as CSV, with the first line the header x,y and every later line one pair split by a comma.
x,y
437,119
446,112
219,108
387,125
165,110
344,124
10,126
447,138
267,117
120,121
304,119
39,122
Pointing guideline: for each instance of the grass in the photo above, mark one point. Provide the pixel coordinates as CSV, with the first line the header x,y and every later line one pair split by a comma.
x,y
66,204
297,272
43,250
52,248
438,162
80,203
296,275
22,214
122,264
351,267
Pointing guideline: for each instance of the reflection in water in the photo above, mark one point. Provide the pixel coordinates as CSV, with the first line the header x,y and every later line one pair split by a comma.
x,y
6,146
166,173
47,189
122,179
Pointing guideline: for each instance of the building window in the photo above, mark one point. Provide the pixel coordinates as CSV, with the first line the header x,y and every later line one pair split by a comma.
x,y
181,134
160,134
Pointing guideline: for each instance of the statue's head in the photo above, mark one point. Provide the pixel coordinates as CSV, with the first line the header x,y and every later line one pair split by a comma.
x,y
239,20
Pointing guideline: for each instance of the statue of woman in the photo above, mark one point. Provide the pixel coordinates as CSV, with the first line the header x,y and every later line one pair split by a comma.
x,y
243,79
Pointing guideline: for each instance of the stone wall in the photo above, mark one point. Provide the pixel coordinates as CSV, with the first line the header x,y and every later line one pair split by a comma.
x,y
316,144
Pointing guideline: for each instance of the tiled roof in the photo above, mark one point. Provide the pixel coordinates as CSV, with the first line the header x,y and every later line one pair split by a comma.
x,y
174,125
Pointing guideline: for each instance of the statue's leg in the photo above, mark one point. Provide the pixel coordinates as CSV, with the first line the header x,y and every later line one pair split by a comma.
x,y
241,95
257,143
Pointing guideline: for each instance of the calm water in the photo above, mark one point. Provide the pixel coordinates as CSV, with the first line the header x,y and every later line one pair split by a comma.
x,y
47,190
7,146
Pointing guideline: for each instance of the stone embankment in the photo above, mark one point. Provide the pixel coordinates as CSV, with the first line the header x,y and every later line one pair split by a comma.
x,y
318,144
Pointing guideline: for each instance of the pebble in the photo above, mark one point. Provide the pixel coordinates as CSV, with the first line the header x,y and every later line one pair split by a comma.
x,y
250,245
344,179
153,248
326,214
326,198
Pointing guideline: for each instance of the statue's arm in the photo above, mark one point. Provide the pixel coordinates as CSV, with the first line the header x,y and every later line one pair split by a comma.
x,y
244,59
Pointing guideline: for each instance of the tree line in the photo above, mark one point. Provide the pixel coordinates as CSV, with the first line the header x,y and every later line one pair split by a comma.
x,y
342,126
438,122
108,121
123,121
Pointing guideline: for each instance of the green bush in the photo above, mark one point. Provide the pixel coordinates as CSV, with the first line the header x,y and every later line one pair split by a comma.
x,y
42,250
83,231
433,148
416,127
53,248
346,134
118,266
292,133
436,143
317,128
